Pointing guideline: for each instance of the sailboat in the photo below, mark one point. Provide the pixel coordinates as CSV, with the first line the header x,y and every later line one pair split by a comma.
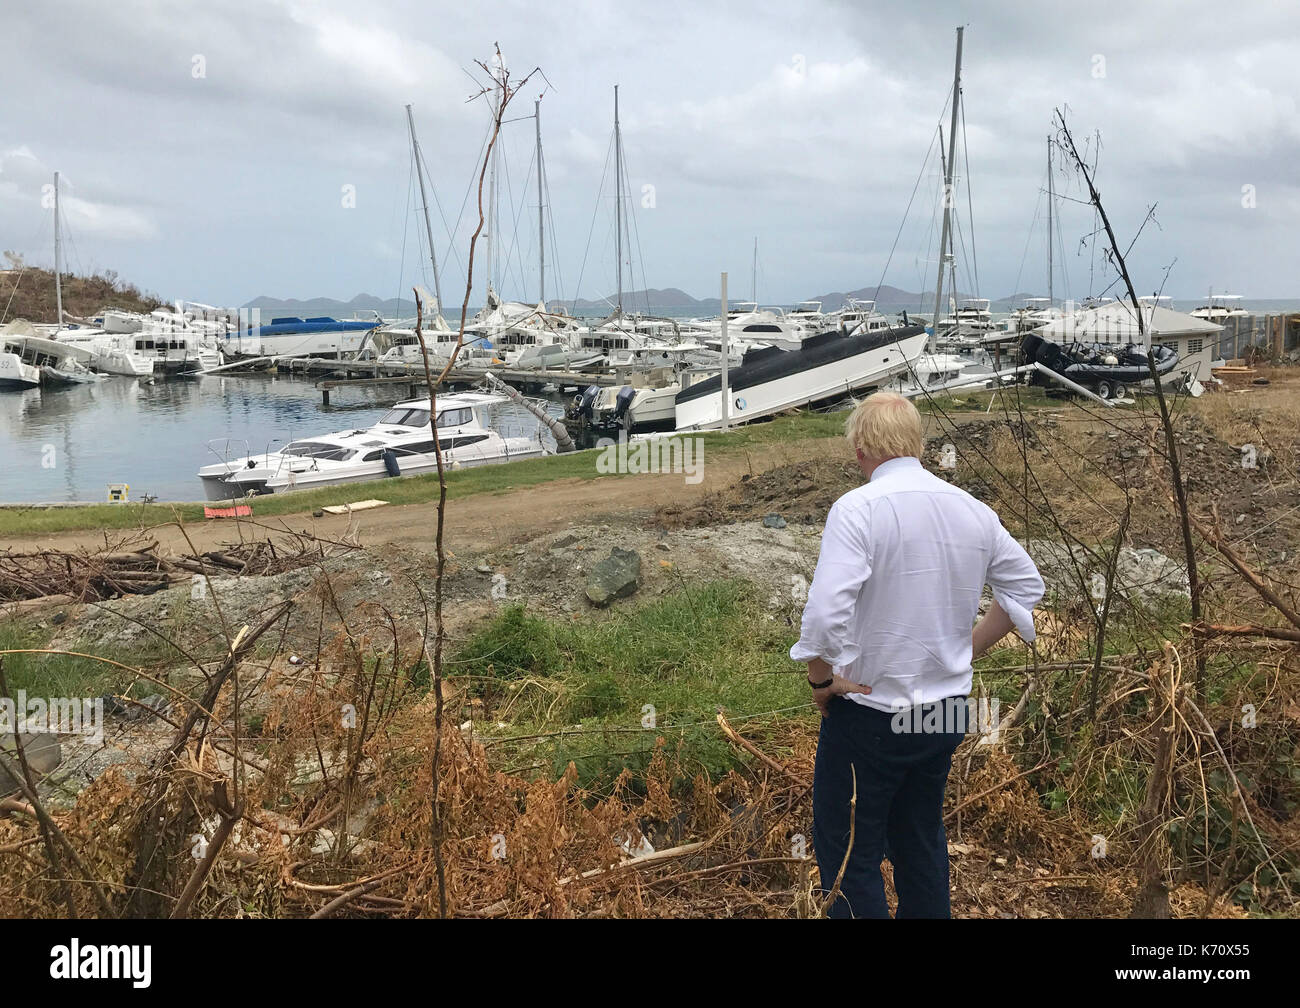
x,y
105,352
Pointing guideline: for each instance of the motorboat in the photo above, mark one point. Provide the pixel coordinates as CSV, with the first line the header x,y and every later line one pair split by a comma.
x,y
400,443
1106,369
825,367
1220,308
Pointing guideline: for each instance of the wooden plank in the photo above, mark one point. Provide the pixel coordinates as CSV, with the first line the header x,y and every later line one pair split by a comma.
x,y
365,505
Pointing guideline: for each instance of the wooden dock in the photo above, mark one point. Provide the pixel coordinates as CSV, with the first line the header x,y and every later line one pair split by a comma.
x,y
371,374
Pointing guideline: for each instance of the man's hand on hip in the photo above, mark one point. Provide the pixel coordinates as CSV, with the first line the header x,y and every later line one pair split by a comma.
x,y
839,687
835,685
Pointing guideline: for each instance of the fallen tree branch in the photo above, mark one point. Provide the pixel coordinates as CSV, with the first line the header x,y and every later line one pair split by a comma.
x,y
736,739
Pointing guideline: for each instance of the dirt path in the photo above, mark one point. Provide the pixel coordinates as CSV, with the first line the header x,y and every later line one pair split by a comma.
x,y
477,522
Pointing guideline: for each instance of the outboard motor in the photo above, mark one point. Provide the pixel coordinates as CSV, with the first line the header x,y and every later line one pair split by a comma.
x,y
390,462
625,396
587,401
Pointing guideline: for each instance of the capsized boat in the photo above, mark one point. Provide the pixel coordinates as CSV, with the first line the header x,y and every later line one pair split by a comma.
x,y
1105,368
55,362
825,367
111,353
400,443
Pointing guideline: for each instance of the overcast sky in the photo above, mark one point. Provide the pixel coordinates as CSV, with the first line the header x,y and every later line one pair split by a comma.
x,y
205,147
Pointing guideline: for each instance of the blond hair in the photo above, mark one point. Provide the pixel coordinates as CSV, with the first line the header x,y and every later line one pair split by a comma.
x,y
885,425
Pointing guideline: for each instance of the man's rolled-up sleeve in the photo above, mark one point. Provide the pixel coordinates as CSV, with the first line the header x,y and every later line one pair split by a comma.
x,y
842,568
1017,586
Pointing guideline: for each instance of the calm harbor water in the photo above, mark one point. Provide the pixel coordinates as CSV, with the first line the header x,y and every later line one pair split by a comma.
x,y
68,444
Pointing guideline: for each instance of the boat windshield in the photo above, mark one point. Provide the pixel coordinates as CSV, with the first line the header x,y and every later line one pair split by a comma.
x,y
405,416
319,450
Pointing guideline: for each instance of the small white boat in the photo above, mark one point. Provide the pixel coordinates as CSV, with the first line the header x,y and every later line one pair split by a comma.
x,y
399,444
556,357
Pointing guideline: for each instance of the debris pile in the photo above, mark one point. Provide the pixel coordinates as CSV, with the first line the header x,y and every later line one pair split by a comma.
x,y
135,569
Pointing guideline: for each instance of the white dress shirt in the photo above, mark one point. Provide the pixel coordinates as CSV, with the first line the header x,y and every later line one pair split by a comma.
x,y
903,564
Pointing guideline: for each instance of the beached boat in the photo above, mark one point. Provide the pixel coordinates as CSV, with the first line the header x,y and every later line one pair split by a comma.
x,y
399,444
824,368
1104,368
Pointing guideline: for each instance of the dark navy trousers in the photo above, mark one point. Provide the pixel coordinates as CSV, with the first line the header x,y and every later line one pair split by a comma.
x,y
900,778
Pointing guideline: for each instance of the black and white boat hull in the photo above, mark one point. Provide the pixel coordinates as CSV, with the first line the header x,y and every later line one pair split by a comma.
x,y
826,367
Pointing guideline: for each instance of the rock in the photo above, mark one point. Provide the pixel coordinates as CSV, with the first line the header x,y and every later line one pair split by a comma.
x,y
774,521
483,567
617,576
663,546
318,513
1141,574
154,703
59,618
568,539
43,754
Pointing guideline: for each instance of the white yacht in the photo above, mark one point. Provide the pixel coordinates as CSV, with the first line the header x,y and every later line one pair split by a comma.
x,y
1033,314
1219,308
970,321
943,372
404,347
809,314
399,444
858,317
174,344
748,325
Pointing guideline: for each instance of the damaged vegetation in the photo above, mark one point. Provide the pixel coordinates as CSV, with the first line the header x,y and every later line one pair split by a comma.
x,y
655,758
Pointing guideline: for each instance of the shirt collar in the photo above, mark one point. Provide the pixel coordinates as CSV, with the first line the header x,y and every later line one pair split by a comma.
x,y
894,465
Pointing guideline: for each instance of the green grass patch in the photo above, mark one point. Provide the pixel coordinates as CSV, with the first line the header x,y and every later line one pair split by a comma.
x,y
609,688
67,676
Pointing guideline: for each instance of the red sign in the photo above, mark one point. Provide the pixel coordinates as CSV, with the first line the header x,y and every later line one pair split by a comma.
x,y
238,511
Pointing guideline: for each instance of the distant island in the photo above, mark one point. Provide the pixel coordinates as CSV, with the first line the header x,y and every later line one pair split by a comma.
x,y
670,300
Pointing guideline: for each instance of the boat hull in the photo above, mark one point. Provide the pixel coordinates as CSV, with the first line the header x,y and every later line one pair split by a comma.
x,y
826,367
237,484
16,375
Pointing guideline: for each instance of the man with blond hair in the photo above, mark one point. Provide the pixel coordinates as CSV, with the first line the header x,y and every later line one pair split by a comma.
x,y
889,633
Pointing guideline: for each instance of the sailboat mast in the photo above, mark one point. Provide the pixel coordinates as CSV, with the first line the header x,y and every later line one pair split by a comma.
x,y
618,199
58,253
424,199
492,210
1051,209
947,195
753,283
541,227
